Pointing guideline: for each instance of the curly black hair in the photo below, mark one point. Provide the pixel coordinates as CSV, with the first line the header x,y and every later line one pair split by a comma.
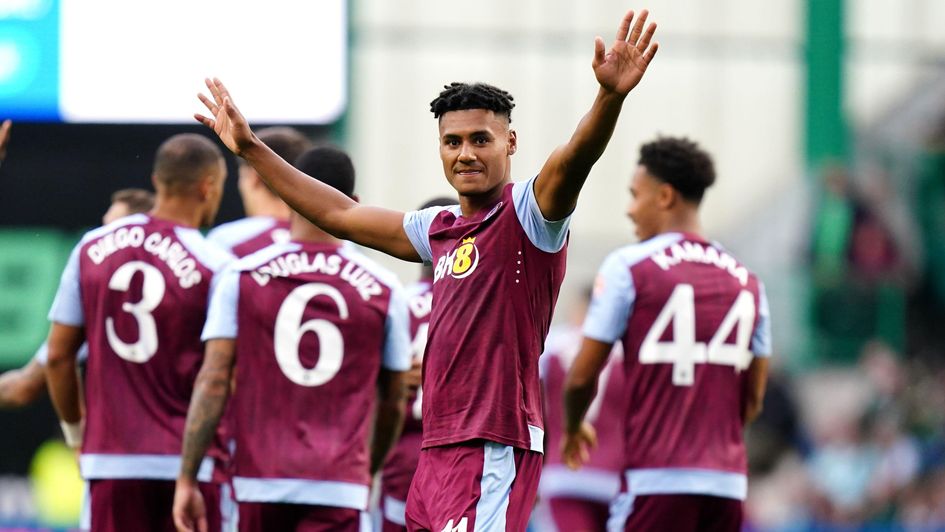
x,y
460,96
681,163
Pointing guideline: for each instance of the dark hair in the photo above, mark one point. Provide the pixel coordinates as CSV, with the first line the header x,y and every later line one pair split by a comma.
x,y
184,159
461,96
287,142
681,163
441,201
331,166
137,199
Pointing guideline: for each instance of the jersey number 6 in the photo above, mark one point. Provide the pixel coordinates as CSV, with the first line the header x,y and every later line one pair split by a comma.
x,y
290,329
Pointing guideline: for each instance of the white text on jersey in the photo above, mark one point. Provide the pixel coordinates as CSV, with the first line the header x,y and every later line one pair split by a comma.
x,y
298,263
696,252
163,247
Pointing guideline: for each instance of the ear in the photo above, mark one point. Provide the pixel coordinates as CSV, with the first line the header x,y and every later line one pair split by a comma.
x,y
205,186
513,142
667,197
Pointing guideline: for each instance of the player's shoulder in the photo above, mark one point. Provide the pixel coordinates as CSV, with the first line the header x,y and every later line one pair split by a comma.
x,y
418,288
209,253
229,234
382,274
632,254
133,219
263,256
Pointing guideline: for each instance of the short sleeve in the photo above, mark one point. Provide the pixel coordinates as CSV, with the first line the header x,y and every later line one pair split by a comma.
x,y
761,336
545,235
221,316
417,226
612,301
67,306
397,350
42,354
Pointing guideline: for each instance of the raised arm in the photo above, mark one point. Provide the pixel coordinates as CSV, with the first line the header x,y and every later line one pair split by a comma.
x,y
618,71
211,391
332,211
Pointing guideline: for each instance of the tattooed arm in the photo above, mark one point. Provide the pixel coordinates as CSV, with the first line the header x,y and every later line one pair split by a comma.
x,y
211,392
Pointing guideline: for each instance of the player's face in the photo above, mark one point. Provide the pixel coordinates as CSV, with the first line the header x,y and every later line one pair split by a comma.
x,y
644,208
475,147
119,209
214,194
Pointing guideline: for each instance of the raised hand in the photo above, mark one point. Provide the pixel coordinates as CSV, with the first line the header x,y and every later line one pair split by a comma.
x,y
227,121
622,67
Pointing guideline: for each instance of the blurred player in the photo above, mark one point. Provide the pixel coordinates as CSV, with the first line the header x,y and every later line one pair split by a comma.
x,y
137,291
267,216
695,331
402,464
304,404
580,500
498,258
5,129
20,387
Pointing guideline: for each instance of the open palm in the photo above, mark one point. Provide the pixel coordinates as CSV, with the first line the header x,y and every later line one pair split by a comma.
x,y
227,121
622,67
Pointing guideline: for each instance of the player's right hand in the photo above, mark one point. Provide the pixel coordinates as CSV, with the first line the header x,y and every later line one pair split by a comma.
x,y
576,447
190,512
414,376
226,121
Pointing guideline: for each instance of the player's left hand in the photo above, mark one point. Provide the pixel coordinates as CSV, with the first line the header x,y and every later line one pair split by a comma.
x,y
576,447
190,512
621,68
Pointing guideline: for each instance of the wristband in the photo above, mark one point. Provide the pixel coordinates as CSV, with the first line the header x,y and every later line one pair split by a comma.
x,y
72,433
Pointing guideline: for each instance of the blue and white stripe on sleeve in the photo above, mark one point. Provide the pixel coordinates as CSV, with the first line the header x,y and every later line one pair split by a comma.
x,y
610,307
67,306
761,336
398,355
417,226
548,236
221,315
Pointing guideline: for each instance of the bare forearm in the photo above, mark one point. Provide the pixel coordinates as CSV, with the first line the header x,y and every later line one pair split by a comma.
x,y
64,388
387,427
565,172
329,209
577,399
20,387
211,392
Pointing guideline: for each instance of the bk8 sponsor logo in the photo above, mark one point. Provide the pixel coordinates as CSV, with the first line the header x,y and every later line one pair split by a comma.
x,y
460,262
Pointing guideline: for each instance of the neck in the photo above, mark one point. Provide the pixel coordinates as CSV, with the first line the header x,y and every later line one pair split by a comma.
x,y
181,210
266,205
684,222
471,205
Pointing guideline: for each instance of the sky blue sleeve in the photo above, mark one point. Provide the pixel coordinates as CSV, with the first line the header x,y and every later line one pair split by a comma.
x,y
224,297
417,226
397,350
67,306
545,235
612,302
761,336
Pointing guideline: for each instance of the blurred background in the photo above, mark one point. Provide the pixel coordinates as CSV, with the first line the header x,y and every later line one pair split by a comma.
x,y
826,119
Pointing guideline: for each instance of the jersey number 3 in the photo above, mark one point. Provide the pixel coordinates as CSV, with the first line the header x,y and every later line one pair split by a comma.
x,y
290,329
684,352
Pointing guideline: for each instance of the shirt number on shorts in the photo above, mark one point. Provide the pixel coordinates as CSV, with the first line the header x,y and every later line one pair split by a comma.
x,y
290,329
152,292
684,352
